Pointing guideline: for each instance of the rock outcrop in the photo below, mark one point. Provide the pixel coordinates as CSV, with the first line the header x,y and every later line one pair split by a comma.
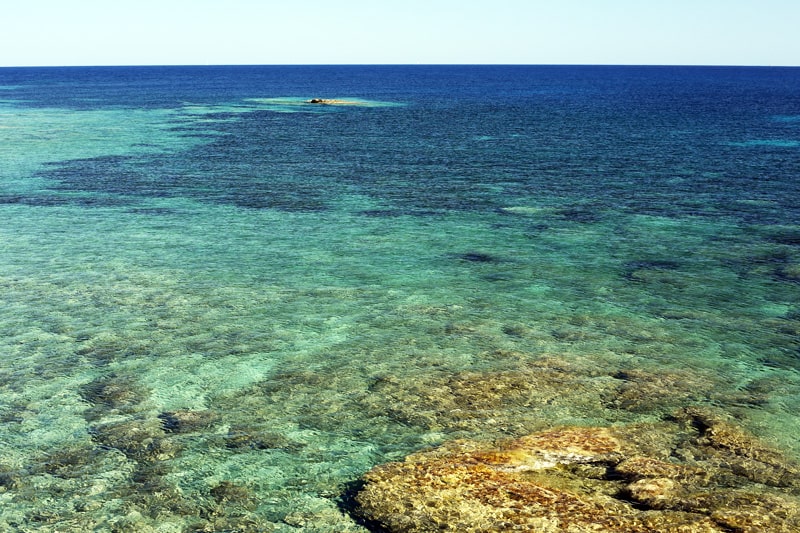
x,y
696,473
333,101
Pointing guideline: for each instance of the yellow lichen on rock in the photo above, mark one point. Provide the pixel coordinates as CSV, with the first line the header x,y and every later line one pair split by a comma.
x,y
553,447
649,467
574,444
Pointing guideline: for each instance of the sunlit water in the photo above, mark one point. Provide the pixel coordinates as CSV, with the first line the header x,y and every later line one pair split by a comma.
x,y
223,304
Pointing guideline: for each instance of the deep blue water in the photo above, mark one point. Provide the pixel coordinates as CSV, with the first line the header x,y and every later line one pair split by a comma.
x,y
203,241
659,140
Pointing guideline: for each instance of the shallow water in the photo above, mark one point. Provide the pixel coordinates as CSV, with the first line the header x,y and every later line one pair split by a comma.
x,y
222,304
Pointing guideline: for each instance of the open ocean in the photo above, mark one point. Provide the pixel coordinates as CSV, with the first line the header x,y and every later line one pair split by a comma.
x,y
221,304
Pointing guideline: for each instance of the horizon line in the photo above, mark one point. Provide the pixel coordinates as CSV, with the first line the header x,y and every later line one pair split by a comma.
x,y
150,65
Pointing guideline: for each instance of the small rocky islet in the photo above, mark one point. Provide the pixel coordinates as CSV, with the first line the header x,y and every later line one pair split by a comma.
x,y
697,472
333,101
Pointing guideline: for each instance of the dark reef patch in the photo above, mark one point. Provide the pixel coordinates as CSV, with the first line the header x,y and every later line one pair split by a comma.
x,y
113,395
10,479
228,493
108,174
789,237
579,214
56,200
393,213
497,277
187,420
241,438
141,440
479,257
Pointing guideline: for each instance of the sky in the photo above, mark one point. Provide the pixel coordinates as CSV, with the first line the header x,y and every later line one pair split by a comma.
x,y
199,32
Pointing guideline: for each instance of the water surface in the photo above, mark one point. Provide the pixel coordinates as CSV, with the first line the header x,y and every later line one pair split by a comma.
x,y
223,304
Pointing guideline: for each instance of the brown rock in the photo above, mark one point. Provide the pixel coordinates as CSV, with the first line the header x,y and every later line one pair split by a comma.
x,y
471,401
574,479
334,101
462,494
641,391
726,444
649,467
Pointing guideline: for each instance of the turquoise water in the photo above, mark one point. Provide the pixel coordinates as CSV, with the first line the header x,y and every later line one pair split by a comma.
x,y
222,304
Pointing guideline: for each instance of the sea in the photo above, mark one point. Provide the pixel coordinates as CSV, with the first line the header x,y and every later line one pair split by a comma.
x,y
222,304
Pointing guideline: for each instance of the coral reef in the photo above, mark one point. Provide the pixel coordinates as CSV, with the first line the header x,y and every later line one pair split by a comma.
x,y
581,479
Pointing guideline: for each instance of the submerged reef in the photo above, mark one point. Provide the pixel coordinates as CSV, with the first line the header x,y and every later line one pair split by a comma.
x,y
697,472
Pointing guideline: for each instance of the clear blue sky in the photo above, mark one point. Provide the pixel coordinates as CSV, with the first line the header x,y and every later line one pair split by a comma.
x,y
158,32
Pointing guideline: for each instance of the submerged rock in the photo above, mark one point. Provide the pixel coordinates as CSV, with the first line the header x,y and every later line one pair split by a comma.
x,y
724,444
187,420
582,479
114,394
641,391
479,257
489,402
142,440
255,438
790,272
